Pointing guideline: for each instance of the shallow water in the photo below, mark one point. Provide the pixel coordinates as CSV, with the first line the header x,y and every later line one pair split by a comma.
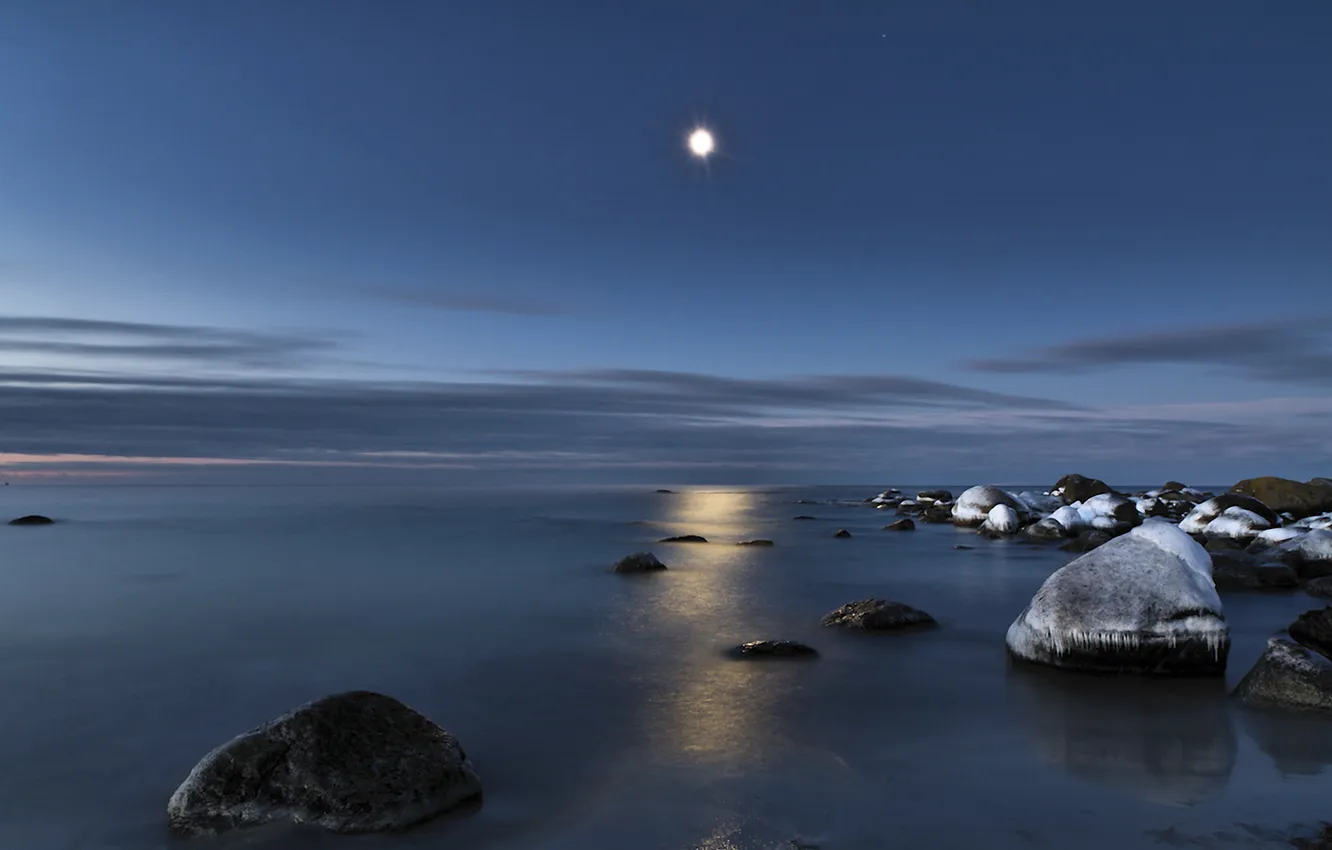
x,y
599,709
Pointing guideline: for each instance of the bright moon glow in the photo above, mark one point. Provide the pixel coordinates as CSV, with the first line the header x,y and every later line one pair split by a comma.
x,y
701,143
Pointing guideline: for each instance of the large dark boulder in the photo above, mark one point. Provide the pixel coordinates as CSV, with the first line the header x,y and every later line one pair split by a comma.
x,y
1288,675
1086,541
878,615
352,762
684,538
903,524
1046,529
1235,572
1079,488
935,496
1283,495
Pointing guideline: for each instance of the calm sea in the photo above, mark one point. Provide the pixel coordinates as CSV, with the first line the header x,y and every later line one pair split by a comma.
x,y
155,623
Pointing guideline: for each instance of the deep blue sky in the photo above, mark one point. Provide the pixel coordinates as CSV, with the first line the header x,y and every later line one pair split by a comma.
x,y
1100,215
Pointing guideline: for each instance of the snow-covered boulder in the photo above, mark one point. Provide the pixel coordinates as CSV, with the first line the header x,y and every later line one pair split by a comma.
x,y
1142,603
1323,521
974,505
1109,512
1047,529
1040,504
1310,553
1070,519
1002,520
1205,512
1236,524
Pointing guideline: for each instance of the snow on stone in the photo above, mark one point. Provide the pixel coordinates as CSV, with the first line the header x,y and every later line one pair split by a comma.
x,y
973,506
1040,504
1069,518
1236,523
1313,545
1153,583
1280,535
1002,519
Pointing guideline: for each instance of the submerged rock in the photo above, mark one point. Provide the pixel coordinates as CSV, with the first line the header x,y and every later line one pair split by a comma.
x,y
1079,488
773,649
32,519
684,538
903,524
1288,676
352,762
666,492
639,562
974,505
762,543
1143,603
842,534
803,518
1283,495
878,615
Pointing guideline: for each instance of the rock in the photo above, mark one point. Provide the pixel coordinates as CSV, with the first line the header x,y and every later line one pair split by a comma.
x,y
1321,587
903,524
762,543
1046,529
974,505
1079,488
1002,520
1163,616
32,519
909,506
1233,572
842,534
1314,630
1039,503
1310,553
935,495
878,615
1286,496
1172,487
803,518
1069,518
684,538
1086,541
1209,510
773,649
1272,536
963,546
1110,512
667,492
938,514
639,562
1236,524
1222,544
1288,676
353,762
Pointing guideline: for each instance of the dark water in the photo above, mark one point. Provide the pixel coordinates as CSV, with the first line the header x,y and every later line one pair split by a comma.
x,y
599,709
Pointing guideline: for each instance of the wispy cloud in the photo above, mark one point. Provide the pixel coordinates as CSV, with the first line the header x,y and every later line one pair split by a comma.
x,y
1296,350
472,302
95,339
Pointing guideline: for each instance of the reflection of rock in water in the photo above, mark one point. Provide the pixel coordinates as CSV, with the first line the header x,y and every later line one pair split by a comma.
x,y
1169,742
1299,743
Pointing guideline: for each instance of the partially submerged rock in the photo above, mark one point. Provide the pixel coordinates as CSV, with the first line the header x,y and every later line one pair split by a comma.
x,y
639,562
935,496
878,615
761,543
842,534
1300,499
684,538
803,518
32,519
353,762
1235,572
773,649
1163,616
1046,529
974,505
1079,488
1086,541
903,524
1002,520
1288,675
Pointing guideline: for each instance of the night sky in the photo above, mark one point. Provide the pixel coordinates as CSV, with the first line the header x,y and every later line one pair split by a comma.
x,y
939,241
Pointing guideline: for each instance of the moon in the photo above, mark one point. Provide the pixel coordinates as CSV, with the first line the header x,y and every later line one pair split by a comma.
x,y
701,143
